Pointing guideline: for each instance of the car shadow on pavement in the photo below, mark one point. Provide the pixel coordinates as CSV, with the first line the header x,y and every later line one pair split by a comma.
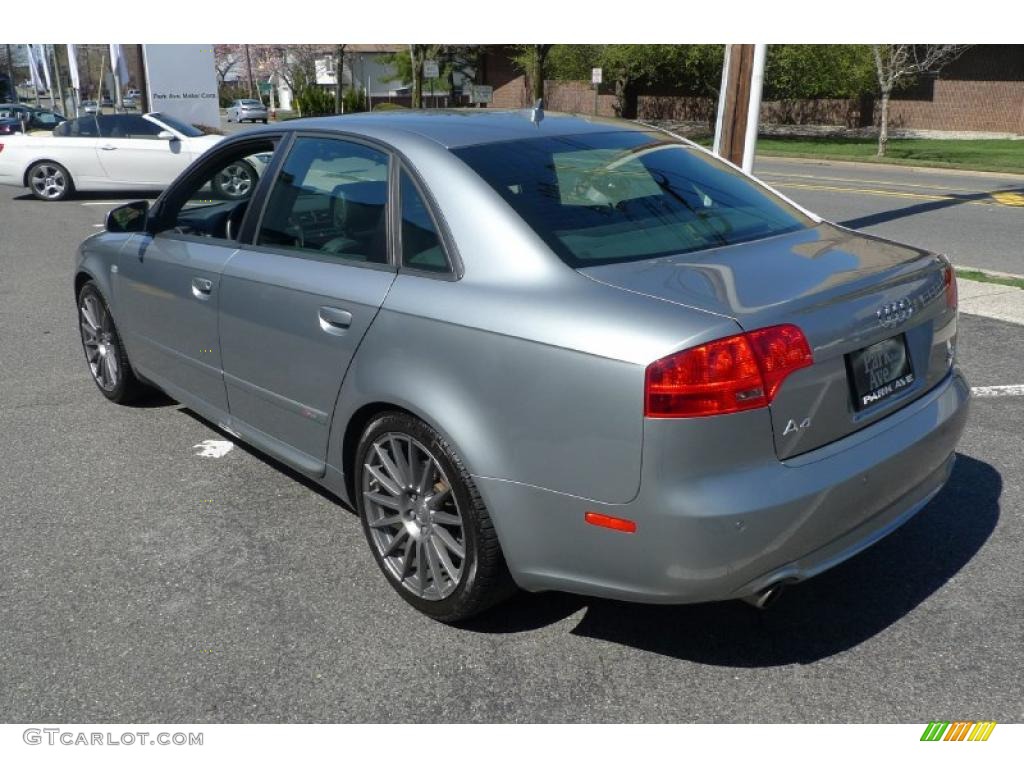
x,y
932,205
813,620
113,195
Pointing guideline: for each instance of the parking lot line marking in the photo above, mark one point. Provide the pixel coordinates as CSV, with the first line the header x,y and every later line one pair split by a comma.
x,y
106,202
1005,390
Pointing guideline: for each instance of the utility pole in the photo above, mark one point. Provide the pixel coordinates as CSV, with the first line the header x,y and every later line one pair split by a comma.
x,y
248,64
739,104
339,72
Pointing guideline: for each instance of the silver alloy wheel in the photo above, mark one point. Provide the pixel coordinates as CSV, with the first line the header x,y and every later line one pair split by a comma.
x,y
97,338
414,519
48,181
235,180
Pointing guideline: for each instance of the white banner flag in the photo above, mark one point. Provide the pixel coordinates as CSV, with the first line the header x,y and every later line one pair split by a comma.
x,y
40,53
73,66
118,64
33,69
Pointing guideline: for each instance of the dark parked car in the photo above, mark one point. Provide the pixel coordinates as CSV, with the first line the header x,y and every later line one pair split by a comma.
x,y
35,118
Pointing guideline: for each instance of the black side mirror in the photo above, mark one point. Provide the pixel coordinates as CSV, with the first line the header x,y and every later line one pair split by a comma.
x,y
128,218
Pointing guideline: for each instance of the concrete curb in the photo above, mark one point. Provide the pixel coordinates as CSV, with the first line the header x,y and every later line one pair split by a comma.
x,y
999,302
897,166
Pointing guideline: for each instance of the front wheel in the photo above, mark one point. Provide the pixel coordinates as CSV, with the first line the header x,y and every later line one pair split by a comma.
x,y
425,521
50,181
104,352
235,181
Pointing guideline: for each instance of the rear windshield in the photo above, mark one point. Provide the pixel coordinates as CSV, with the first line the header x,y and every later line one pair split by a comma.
x,y
608,197
251,103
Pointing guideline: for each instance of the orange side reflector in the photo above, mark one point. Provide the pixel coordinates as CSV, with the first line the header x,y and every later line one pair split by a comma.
x,y
607,521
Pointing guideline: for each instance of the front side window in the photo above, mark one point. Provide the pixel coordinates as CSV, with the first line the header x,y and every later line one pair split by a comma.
x,y
189,131
421,244
621,196
214,203
330,199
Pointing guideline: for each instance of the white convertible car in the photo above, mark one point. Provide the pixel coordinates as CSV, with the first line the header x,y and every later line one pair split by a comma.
x,y
114,152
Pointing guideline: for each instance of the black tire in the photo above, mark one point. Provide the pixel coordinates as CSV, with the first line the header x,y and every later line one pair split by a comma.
x,y
484,578
126,388
61,186
264,121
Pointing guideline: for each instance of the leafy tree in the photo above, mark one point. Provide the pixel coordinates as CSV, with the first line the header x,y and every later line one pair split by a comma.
x,y
532,60
898,65
818,72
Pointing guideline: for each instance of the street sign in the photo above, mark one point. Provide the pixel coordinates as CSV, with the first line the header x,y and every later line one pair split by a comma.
x,y
481,94
595,75
431,70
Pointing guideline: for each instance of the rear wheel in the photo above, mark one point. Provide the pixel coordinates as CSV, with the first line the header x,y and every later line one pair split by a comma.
x,y
426,524
104,352
50,181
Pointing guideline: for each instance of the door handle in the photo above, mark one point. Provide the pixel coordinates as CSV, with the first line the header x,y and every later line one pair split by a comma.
x,y
334,321
107,146
201,288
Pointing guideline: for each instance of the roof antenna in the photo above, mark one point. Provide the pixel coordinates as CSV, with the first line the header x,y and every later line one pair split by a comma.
x,y
537,113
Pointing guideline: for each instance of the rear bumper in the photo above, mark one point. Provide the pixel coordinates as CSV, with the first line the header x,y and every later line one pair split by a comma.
x,y
715,520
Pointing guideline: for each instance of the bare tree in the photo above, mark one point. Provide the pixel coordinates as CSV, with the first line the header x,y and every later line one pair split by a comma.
x,y
225,59
898,64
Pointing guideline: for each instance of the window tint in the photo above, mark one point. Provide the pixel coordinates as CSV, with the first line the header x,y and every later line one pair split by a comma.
x,y
331,199
619,196
421,245
127,127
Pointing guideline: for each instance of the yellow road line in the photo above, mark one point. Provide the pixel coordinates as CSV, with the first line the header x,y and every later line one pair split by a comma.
x,y
867,181
990,200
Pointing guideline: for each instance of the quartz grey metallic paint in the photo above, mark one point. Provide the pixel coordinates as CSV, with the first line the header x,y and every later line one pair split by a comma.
x,y
534,373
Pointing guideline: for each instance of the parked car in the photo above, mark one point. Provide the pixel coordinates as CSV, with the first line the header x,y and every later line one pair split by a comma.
x,y
247,109
34,118
9,126
129,102
560,353
113,152
90,107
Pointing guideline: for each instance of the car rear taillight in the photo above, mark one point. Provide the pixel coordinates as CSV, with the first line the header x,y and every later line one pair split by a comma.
x,y
949,279
727,375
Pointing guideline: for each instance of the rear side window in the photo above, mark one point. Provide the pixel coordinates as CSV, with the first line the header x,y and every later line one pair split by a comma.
x,y
621,196
127,127
84,127
421,244
330,199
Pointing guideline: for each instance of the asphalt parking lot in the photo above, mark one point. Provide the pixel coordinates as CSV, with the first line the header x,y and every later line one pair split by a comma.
x,y
140,582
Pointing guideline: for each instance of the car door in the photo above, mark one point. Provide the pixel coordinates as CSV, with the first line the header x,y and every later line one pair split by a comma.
x,y
74,144
295,305
168,283
132,154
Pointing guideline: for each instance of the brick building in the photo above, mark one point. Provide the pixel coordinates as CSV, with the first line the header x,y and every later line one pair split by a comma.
x,y
982,91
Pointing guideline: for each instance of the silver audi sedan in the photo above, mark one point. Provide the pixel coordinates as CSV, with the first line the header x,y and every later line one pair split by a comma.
x,y
541,351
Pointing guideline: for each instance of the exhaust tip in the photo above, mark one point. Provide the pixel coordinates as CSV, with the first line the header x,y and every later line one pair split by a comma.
x,y
766,597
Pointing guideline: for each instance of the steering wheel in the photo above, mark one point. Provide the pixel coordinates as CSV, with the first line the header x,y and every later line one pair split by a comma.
x,y
233,223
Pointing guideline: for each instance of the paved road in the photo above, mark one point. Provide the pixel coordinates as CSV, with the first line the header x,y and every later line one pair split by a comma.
x,y
977,219
140,582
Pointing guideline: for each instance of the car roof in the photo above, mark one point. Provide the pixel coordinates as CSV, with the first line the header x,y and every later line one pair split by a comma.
x,y
454,128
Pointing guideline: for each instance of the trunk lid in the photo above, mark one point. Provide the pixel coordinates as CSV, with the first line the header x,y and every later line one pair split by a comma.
x,y
846,291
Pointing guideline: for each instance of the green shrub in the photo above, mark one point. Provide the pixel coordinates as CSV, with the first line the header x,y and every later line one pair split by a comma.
x,y
387,106
354,100
313,100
